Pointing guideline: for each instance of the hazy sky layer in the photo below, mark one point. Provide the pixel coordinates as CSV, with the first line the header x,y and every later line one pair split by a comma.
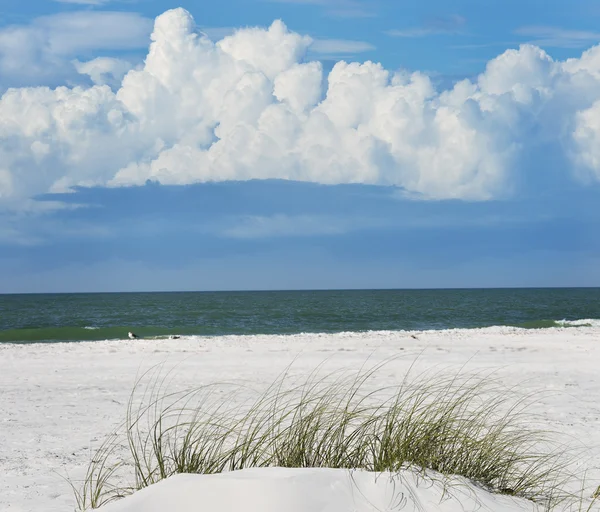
x,y
261,144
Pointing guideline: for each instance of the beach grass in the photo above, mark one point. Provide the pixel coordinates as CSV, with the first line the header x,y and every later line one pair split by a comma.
x,y
442,425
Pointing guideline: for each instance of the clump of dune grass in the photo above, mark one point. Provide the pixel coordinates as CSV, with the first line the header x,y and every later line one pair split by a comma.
x,y
465,425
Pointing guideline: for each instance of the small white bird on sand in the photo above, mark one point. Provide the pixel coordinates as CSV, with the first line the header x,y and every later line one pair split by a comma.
x,y
132,336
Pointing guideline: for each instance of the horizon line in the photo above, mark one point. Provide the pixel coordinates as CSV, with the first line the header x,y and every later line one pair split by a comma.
x,y
283,290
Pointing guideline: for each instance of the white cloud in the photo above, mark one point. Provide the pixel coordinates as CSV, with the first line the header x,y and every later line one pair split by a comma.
x,y
437,25
83,2
587,141
340,47
10,236
410,32
251,107
42,51
338,8
94,30
556,37
104,70
295,226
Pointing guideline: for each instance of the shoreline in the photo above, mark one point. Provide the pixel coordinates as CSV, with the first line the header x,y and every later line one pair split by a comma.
x,y
587,323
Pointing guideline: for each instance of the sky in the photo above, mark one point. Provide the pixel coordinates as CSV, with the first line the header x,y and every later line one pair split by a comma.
x,y
147,145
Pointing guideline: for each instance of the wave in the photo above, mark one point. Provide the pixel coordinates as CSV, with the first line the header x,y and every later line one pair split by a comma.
x,y
588,322
92,333
548,324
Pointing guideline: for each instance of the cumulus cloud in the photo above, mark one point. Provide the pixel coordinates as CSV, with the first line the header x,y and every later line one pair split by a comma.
x,y
252,107
587,141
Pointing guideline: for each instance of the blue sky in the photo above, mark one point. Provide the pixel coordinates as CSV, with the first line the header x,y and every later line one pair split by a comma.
x,y
360,144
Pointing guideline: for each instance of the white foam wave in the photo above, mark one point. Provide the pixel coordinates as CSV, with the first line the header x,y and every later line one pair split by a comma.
x,y
586,322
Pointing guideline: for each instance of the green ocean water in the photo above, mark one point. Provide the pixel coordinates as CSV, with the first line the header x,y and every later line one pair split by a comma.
x,y
79,317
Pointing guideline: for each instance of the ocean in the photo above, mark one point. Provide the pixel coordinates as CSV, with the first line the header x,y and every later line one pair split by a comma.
x,y
100,316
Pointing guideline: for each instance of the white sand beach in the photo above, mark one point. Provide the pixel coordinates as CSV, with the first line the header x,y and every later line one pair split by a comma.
x,y
59,401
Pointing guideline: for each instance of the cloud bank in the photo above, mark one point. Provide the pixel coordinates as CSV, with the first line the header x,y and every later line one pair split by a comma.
x,y
251,107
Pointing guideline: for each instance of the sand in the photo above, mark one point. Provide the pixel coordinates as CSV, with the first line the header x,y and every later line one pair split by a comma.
x,y
59,401
310,490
